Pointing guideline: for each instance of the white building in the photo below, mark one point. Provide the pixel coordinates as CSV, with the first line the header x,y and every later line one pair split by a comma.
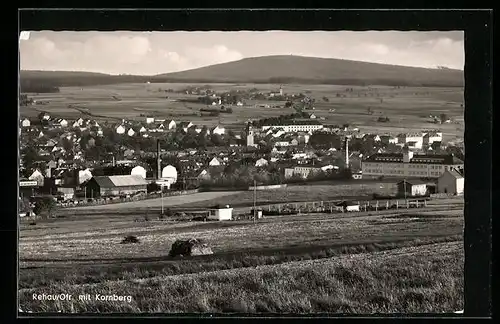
x,y
302,171
143,129
26,123
138,170
327,167
451,182
171,125
412,187
219,130
221,214
63,123
130,132
261,162
120,130
282,144
170,173
38,177
295,127
150,120
214,162
349,206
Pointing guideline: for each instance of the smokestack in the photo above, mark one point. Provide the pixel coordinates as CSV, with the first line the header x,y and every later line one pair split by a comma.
x,y
346,152
114,161
158,157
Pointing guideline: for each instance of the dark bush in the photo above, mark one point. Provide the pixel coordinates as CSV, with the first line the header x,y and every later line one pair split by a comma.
x,y
130,239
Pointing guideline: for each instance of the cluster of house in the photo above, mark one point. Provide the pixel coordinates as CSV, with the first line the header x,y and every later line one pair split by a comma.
x,y
67,180
290,138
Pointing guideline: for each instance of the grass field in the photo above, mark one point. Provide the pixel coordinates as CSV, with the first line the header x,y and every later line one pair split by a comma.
x,y
408,261
408,107
293,193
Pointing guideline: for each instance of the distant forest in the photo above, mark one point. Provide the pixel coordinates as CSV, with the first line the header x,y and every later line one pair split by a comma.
x,y
38,86
50,82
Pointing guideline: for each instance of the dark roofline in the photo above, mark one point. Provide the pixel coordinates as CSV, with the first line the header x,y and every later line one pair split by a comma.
x,y
448,159
413,182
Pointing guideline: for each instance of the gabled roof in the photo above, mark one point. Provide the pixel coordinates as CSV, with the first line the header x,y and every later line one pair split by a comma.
x,y
120,181
455,174
446,159
413,182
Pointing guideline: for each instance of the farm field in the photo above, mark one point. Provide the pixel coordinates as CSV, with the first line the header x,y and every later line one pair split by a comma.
x,y
407,107
292,193
167,201
365,263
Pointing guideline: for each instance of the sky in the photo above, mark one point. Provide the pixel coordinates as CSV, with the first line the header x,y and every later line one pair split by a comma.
x,y
150,53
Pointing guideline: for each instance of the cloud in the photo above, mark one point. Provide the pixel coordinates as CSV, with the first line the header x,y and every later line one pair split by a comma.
x,y
117,54
199,56
163,52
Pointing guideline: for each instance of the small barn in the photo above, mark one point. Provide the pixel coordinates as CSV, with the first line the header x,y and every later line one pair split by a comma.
x,y
451,182
220,213
115,185
412,188
349,206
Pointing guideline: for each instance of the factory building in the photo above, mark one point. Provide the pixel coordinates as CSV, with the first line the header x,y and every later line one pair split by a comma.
x,y
409,165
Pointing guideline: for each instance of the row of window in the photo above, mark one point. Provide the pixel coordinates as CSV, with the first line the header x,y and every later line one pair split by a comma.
x,y
417,166
417,173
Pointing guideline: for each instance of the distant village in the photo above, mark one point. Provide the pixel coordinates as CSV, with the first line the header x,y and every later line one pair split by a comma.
x,y
85,159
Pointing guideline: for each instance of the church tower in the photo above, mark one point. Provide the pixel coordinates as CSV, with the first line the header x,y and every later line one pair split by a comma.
x,y
281,91
250,135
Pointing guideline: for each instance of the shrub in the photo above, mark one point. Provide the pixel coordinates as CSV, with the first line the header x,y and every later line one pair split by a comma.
x,y
130,239
45,206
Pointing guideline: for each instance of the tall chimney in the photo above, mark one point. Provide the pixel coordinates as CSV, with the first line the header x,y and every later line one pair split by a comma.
x,y
114,161
346,152
158,159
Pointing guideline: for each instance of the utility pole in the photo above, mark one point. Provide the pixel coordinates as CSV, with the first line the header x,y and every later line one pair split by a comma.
x,y
162,200
254,200
404,183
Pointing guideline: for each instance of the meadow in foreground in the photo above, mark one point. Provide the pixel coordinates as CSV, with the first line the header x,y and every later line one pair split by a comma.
x,y
408,280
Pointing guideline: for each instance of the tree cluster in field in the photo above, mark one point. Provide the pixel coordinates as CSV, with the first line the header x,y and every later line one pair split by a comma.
x,y
322,140
284,120
38,86
24,100
383,119
243,175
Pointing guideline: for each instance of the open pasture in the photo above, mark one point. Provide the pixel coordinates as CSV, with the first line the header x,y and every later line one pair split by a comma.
x,y
84,255
408,108
166,201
